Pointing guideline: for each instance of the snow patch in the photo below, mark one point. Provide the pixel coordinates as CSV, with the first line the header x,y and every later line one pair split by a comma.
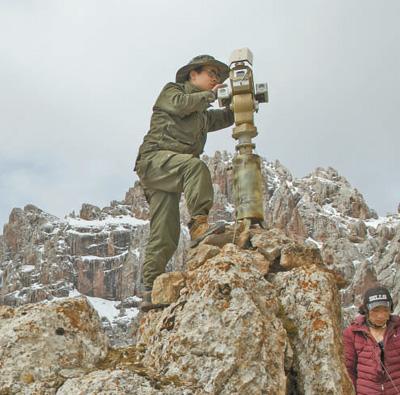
x,y
370,258
329,209
27,268
356,262
389,221
136,252
89,258
310,240
107,308
74,293
230,208
121,220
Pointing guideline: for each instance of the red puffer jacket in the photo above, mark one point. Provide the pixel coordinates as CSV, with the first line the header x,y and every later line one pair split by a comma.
x,y
363,358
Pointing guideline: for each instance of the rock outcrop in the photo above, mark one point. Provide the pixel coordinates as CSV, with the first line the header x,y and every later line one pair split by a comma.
x,y
311,310
117,382
101,252
41,345
260,320
59,348
234,329
226,323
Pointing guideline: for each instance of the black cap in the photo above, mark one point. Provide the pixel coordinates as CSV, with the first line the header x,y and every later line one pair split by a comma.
x,y
378,296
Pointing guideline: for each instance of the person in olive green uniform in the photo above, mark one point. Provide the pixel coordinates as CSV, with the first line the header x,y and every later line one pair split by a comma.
x,y
168,160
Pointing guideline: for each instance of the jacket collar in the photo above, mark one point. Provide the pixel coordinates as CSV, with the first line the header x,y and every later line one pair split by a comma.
x,y
360,324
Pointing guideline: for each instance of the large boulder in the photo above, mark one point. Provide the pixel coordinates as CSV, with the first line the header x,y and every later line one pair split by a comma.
x,y
222,334
233,332
42,344
311,315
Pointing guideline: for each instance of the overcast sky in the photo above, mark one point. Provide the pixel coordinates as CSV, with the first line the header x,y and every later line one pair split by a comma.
x,y
78,80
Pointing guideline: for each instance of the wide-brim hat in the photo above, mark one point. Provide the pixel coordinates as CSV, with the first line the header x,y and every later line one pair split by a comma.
x,y
202,60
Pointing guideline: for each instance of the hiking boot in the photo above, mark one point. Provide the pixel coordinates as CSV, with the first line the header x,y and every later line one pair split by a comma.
x,y
199,229
147,304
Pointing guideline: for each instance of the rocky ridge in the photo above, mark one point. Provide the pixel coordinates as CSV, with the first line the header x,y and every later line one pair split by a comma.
x,y
100,251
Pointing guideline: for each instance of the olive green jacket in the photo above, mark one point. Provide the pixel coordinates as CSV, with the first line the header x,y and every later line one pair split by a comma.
x,y
181,120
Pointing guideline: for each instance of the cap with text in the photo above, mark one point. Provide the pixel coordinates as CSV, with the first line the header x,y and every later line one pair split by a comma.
x,y
375,297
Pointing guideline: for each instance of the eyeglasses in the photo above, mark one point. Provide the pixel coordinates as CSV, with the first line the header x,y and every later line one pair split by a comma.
x,y
213,74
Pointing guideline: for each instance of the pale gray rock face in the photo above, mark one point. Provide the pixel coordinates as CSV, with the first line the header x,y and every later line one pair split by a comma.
x,y
222,176
45,257
311,305
323,209
339,255
388,267
89,212
42,257
116,382
223,333
40,344
31,242
136,200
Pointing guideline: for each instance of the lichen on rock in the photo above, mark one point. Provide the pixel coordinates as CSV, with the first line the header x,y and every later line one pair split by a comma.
x,y
39,341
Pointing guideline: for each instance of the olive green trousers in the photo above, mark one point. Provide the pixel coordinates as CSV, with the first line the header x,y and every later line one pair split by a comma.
x,y
164,175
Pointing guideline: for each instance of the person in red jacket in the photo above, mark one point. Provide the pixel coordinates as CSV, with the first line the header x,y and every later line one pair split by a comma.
x,y
372,346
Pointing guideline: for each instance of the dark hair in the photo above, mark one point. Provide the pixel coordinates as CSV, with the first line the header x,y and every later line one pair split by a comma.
x,y
363,309
197,69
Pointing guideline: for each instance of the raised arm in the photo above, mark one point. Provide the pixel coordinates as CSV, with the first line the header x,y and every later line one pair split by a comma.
x,y
176,102
219,119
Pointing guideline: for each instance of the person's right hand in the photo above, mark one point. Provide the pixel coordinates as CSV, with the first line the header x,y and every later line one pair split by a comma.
x,y
216,87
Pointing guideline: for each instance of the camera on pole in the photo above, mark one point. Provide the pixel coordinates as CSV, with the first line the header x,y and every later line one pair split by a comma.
x,y
243,97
